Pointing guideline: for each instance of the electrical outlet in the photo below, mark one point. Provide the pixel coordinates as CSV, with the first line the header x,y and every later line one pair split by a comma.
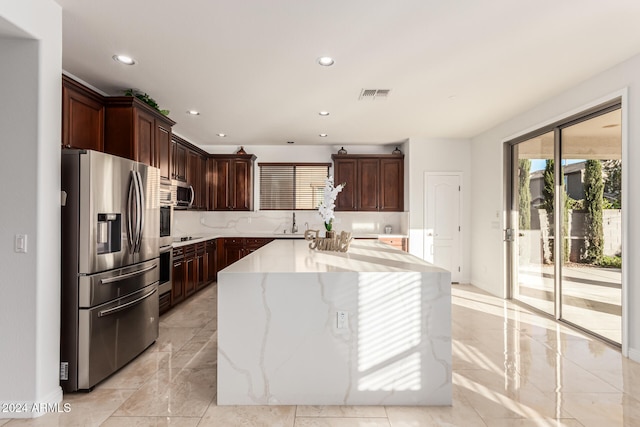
x,y
342,320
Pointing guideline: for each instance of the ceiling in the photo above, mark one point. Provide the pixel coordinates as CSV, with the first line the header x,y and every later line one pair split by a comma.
x,y
455,68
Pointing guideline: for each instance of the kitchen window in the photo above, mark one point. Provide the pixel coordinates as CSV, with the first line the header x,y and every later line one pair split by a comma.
x,y
286,186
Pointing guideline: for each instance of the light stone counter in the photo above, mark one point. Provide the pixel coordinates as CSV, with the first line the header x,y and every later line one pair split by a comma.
x,y
280,340
197,238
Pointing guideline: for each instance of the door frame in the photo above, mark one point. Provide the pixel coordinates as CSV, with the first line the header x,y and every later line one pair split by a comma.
x,y
459,274
619,97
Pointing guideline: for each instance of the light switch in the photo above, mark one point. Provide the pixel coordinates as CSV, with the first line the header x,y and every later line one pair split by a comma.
x,y
342,318
20,243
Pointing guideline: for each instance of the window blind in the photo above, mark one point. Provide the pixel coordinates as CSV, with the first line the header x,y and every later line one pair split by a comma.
x,y
287,186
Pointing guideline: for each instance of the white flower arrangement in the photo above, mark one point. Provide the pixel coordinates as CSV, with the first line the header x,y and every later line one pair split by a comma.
x,y
326,207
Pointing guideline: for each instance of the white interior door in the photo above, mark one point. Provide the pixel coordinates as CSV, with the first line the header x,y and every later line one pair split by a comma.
x,y
442,223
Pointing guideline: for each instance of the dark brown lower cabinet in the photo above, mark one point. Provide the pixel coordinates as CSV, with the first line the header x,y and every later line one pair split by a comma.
x,y
201,266
234,248
211,255
230,250
165,302
178,276
194,267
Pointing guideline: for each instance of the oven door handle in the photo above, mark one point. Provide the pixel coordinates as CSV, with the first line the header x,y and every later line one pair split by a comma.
x,y
119,308
108,280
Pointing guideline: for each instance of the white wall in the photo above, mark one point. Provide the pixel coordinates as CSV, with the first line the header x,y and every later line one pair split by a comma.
x,y
30,104
487,185
438,155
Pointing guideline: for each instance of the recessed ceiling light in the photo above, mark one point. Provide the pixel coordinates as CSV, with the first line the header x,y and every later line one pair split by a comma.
x,y
323,135
290,142
193,112
324,113
325,61
222,135
124,59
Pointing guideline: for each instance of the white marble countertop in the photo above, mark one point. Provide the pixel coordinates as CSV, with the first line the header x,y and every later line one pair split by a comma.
x,y
298,326
197,238
294,256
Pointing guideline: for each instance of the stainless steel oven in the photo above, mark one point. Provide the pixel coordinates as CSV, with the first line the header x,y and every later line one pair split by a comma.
x,y
167,201
166,266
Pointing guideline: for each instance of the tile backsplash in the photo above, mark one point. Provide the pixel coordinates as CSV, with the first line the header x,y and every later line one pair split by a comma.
x,y
276,222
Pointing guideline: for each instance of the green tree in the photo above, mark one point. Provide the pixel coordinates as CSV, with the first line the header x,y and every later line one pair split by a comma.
x,y
566,249
593,193
612,171
524,194
548,193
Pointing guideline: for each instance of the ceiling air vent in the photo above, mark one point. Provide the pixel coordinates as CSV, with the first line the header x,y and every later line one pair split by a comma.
x,y
371,94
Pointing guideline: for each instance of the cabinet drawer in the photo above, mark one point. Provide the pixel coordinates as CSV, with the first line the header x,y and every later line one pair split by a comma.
x,y
165,302
396,242
189,250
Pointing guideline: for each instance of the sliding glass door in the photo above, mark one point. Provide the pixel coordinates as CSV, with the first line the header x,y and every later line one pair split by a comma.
x,y
533,231
565,221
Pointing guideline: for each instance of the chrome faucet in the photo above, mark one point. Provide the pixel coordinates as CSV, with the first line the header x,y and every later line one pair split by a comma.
x,y
294,227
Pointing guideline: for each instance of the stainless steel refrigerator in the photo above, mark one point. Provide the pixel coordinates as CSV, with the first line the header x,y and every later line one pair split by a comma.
x,y
110,273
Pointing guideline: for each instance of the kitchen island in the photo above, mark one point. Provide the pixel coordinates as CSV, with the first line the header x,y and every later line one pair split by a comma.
x,y
304,327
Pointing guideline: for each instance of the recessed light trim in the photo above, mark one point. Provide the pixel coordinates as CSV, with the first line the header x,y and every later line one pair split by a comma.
x,y
323,135
193,112
124,59
324,113
326,61
290,142
222,135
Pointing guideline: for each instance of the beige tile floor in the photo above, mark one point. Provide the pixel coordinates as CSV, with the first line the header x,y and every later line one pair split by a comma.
x,y
511,368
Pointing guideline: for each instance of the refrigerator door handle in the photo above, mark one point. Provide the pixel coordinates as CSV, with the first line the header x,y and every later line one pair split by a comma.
x,y
126,275
139,211
125,306
130,202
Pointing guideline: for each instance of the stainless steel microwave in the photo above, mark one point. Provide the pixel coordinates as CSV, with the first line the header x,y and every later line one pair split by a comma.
x,y
184,194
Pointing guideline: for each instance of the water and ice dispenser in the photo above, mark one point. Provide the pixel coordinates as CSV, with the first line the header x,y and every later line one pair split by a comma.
x,y
108,233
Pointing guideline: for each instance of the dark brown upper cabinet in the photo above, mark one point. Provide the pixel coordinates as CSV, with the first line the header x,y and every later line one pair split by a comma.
x,y
374,182
82,116
179,160
196,177
189,164
138,132
232,176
